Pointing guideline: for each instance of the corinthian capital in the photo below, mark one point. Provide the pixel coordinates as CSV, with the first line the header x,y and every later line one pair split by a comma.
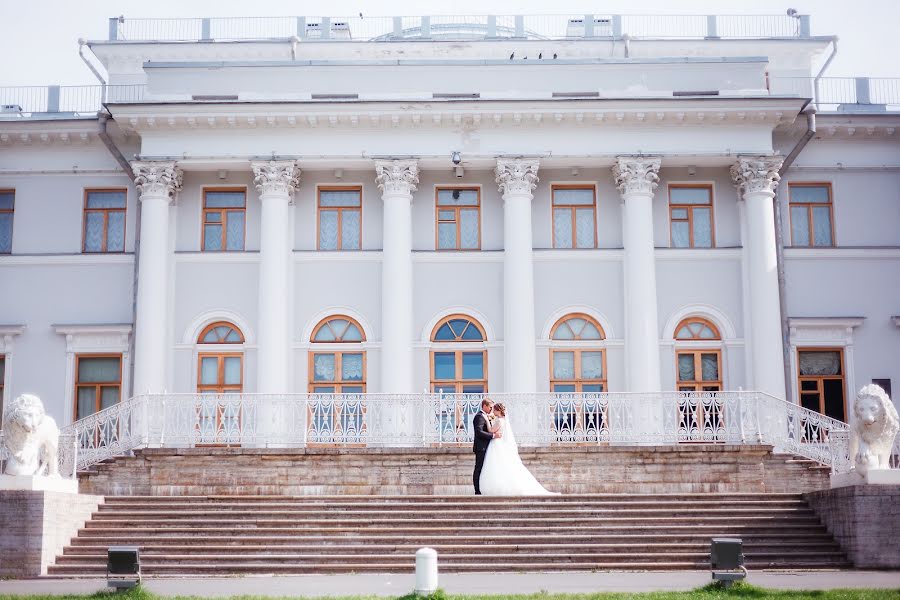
x,y
636,175
156,178
397,176
276,177
516,176
756,173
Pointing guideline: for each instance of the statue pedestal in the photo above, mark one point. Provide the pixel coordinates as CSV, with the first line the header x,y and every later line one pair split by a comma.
x,y
38,483
872,477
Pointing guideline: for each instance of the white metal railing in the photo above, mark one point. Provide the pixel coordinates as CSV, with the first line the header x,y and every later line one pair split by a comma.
x,y
424,420
23,101
845,94
842,461
460,27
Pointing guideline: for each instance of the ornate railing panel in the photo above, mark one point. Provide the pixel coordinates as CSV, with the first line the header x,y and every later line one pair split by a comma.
x,y
398,420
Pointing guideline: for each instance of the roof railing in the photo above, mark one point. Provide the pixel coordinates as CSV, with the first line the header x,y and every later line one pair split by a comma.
x,y
461,27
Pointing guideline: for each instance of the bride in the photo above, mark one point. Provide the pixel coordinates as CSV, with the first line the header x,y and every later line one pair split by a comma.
x,y
503,473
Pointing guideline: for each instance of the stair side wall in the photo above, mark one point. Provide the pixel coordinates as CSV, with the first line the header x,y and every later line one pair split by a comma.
x,y
36,526
865,521
448,471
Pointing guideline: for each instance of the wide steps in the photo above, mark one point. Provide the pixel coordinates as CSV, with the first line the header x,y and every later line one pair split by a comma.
x,y
247,535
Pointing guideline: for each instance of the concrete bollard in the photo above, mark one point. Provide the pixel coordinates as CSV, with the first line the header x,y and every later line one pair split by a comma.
x,y
426,571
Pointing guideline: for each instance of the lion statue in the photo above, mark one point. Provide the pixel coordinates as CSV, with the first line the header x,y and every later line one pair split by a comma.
x,y
874,427
31,438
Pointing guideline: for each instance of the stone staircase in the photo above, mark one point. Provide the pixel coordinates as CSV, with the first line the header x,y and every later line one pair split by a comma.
x,y
284,535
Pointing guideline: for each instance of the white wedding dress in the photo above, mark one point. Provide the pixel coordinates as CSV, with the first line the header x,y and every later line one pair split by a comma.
x,y
503,473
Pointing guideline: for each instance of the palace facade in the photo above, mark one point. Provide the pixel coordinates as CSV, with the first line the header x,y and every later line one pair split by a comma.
x,y
495,204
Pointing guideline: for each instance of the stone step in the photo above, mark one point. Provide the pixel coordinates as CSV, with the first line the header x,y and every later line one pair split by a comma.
x,y
468,499
162,540
420,506
609,529
268,558
750,548
402,523
507,515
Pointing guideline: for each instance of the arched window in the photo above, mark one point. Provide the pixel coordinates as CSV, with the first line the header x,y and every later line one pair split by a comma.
x,y
577,363
220,372
459,363
698,356
337,369
220,369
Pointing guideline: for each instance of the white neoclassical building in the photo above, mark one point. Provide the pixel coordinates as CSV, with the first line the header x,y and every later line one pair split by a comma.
x,y
528,205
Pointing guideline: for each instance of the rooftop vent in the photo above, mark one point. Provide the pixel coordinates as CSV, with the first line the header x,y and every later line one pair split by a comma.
x,y
10,108
698,93
601,27
214,97
335,96
340,30
456,96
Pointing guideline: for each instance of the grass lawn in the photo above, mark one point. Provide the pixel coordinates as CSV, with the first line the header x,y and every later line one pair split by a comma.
x,y
710,592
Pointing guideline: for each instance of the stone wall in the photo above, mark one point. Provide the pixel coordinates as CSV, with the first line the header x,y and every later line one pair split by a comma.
x,y
35,526
364,471
865,521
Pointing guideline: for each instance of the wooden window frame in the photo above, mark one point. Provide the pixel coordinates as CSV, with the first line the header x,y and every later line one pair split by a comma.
x,y
809,212
340,212
94,384
572,208
448,346
584,346
337,384
326,321
10,211
704,321
105,212
223,223
819,379
219,388
456,209
690,212
215,324
696,384
3,387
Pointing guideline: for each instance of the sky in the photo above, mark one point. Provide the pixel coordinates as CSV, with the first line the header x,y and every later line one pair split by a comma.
x,y
39,38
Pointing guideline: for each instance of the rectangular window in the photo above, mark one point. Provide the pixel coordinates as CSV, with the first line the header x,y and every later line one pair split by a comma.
x,y
574,217
811,222
340,218
691,216
104,220
885,384
7,204
224,214
458,219
821,381
98,383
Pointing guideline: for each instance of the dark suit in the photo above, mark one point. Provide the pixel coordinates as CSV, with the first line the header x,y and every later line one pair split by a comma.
x,y
483,437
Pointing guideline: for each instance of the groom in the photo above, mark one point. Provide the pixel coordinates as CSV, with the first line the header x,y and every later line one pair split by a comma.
x,y
483,436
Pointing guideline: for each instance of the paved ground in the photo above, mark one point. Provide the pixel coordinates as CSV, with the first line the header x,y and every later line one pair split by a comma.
x,y
478,583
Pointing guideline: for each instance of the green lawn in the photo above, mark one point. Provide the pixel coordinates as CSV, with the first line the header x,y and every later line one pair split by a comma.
x,y
711,592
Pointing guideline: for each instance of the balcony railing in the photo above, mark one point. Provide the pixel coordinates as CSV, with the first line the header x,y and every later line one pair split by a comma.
x,y
17,102
427,420
461,27
842,94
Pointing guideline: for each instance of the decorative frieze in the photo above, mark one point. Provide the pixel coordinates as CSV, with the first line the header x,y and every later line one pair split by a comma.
x,y
157,178
397,176
276,177
516,176
757,173
636,175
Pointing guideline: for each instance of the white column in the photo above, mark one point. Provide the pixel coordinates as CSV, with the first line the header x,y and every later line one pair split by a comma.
x,y
637,178
517,179
276,182
397,180
756,179
157,183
